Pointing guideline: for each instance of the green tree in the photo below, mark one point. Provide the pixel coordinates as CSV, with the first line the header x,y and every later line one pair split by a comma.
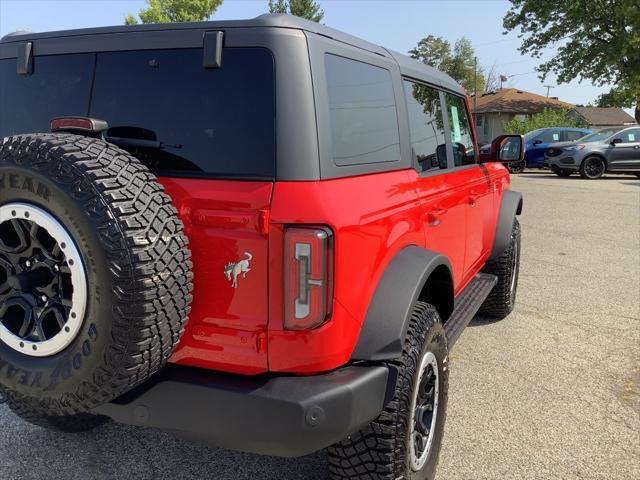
x,y
308,9
168,11
596,40
435,52
459,63
464,68
547,118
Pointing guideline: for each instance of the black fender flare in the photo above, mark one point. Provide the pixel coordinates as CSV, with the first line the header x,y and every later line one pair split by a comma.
x,y
400,287
510,206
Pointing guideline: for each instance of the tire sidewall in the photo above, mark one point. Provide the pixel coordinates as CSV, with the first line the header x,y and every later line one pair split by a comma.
x,y
55,376
515,267
435,342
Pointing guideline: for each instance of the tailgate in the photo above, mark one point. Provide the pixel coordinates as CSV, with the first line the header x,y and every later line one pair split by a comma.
x,y
226,222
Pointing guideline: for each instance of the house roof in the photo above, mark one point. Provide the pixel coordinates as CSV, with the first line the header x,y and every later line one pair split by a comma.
x,y
605,116
512,100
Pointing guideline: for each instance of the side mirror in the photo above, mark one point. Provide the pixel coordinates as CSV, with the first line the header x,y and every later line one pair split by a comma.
x,y
506,149
616,140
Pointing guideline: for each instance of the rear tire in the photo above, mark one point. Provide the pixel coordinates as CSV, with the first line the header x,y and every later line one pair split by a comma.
x,y
517,167
506,267
592,168
563,173
394,445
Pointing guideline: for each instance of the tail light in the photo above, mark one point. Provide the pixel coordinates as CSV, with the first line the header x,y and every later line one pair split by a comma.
x,y
308,277
90,125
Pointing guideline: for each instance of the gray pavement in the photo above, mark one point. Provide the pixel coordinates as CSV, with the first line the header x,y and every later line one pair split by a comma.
x,y
551,392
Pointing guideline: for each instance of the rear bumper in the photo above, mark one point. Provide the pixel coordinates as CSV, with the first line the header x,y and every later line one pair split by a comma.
x,y
284,416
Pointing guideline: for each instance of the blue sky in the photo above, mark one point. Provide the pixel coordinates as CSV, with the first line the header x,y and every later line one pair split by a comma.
x,y
396,24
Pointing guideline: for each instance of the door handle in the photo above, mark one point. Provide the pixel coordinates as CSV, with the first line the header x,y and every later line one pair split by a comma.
x,y
433,216
473,199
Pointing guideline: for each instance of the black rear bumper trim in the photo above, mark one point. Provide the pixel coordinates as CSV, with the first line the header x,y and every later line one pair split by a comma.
x,y
285,416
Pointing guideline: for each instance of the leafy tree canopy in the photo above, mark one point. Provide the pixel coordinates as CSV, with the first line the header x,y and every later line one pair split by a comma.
x,y
457,62
547,118
596,40
308,9
168,11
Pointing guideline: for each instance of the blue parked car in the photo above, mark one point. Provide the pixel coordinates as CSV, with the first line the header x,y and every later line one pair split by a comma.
x,y
537,142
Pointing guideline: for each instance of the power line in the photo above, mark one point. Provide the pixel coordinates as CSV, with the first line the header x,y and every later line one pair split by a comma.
x,y
497,41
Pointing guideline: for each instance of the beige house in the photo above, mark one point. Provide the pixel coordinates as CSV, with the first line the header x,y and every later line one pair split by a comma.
x,y
493,108
601,117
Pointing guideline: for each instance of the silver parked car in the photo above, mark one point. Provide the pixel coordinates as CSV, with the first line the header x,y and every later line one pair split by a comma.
x,y
615,150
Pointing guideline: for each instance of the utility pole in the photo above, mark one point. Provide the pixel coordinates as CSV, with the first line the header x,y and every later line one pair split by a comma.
x,y
548,87
475,88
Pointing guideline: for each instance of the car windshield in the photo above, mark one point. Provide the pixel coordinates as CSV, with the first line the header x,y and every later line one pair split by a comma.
x,y
598,136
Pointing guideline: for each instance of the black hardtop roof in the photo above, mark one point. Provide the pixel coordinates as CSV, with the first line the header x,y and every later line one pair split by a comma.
x,y
408,66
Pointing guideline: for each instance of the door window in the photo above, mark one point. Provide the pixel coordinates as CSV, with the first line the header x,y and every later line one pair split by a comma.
x,y
549,136
572,136
428,144
630,136
362,107
460,128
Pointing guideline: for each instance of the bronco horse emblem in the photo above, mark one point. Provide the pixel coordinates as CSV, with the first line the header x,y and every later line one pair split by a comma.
x,y
233,270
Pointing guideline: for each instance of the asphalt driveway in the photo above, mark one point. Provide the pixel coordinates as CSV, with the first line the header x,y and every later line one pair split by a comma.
x,y
551,392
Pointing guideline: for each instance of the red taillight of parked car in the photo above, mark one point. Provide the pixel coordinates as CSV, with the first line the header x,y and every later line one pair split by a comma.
x,y
308,277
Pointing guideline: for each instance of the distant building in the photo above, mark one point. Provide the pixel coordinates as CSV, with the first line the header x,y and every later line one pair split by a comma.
x,y
493,108
599,117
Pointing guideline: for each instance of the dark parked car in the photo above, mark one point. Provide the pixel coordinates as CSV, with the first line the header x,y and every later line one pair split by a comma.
x,y
610,150
537,142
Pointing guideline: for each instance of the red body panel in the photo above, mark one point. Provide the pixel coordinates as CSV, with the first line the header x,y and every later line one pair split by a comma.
x,y
240,330
223,219
373,217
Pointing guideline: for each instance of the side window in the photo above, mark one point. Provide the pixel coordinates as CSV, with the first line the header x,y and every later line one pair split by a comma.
x,y
571,135
59,86
428,145
362,107
461,135
631,136
549,136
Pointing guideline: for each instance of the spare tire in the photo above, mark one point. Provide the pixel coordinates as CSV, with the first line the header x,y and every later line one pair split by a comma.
x,y
95,273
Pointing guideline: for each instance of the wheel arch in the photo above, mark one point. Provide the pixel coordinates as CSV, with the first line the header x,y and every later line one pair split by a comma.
x,y
510,206
414,274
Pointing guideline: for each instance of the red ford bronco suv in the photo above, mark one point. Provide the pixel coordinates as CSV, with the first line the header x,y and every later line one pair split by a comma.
x,y
265,235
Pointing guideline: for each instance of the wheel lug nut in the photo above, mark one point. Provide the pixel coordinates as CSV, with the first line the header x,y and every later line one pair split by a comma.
x,y
56,268
27,264
43,298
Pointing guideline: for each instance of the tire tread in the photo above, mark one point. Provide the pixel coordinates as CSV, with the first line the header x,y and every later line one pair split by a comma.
x,y
147,250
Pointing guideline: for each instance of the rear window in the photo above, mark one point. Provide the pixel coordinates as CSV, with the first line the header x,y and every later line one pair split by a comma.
x,y
59,86
362,107
206,122
211,122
